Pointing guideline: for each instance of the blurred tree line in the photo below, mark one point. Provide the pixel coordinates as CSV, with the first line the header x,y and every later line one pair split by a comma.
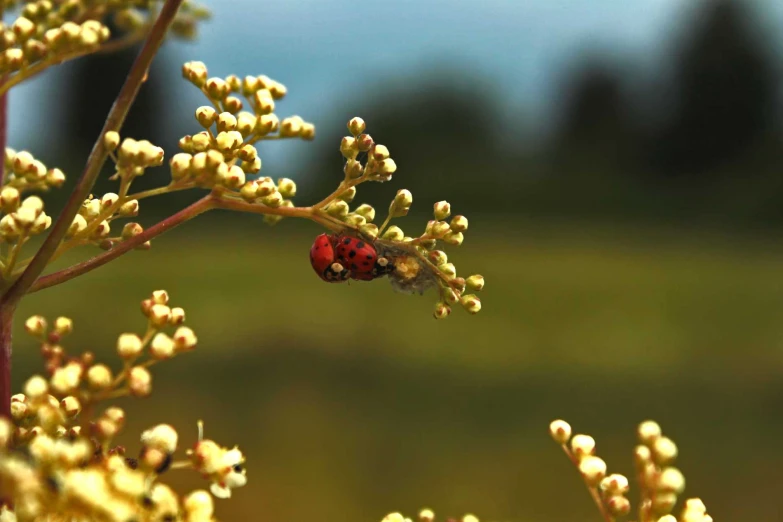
x,y
697,141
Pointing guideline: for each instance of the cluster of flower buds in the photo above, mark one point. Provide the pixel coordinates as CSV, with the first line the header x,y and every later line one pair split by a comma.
x,y
52,462
257,123
32,38
129,18
378,165
132,157
23,217
659,481
429,266
25,173
48,32
93,221
75,477
426,515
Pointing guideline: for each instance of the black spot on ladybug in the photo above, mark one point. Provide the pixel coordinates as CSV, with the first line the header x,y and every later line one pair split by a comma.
x,y
365,263
360,244
369,256
352,253
347,242
353,265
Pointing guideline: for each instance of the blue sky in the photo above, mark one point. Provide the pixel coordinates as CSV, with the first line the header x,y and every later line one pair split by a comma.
x,y
328,50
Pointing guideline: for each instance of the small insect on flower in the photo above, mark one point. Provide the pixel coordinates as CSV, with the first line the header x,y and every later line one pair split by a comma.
x,y
324,261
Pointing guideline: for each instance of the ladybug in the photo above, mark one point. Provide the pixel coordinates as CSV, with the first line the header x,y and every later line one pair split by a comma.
x,y
325,263
358,256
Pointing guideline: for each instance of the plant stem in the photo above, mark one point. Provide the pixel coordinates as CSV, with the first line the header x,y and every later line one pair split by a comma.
x,y
199,207
3,134
98,155
6,323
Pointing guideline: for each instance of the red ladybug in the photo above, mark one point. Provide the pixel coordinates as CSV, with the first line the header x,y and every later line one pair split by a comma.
x,y
325,263
358,256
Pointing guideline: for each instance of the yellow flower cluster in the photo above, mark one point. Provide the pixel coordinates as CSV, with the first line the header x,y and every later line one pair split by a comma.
x,y
426,515
48,32
659,481
74,471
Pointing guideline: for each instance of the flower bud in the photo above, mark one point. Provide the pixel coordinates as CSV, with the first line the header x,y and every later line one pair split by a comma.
x,y
671,480
593,469
286,187
664,450
663,503
35,326
162,346
348,147
459,224
139,381
393,233
615,484
366,210
232,103
348,195
131,230
36,386
99,376
337,208
63,326
438,257
184,339
226,122
370,230
111,140
618,505
649,431
273,200
129,208
471,303
291,126
560,431
582,445
356,126
206,116
70,406
448,269
217,88
475,283
442,210
442,310
129,345
353,169
402,203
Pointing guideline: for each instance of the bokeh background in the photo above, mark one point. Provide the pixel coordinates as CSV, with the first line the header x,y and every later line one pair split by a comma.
x,y
621,165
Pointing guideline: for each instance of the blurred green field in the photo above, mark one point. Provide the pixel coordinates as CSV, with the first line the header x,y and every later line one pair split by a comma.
x,y
351,401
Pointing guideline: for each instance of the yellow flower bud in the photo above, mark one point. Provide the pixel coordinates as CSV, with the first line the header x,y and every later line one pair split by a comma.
x,y
442,310
129,345
593,469
226,122
348,195
453,238
139,381
185,339
582,445
99,376
286,187
393,233
35,326
63,325
162,346
370,230
560,431
471,303
459,224
9,199
475,283
356,126
206,116
217,88
232,103
366,210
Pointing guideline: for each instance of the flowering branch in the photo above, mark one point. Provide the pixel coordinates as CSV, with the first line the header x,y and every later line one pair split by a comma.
x,y
66,274
98,155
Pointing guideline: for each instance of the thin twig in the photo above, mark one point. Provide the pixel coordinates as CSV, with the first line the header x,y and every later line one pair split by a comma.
x,y
99,153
